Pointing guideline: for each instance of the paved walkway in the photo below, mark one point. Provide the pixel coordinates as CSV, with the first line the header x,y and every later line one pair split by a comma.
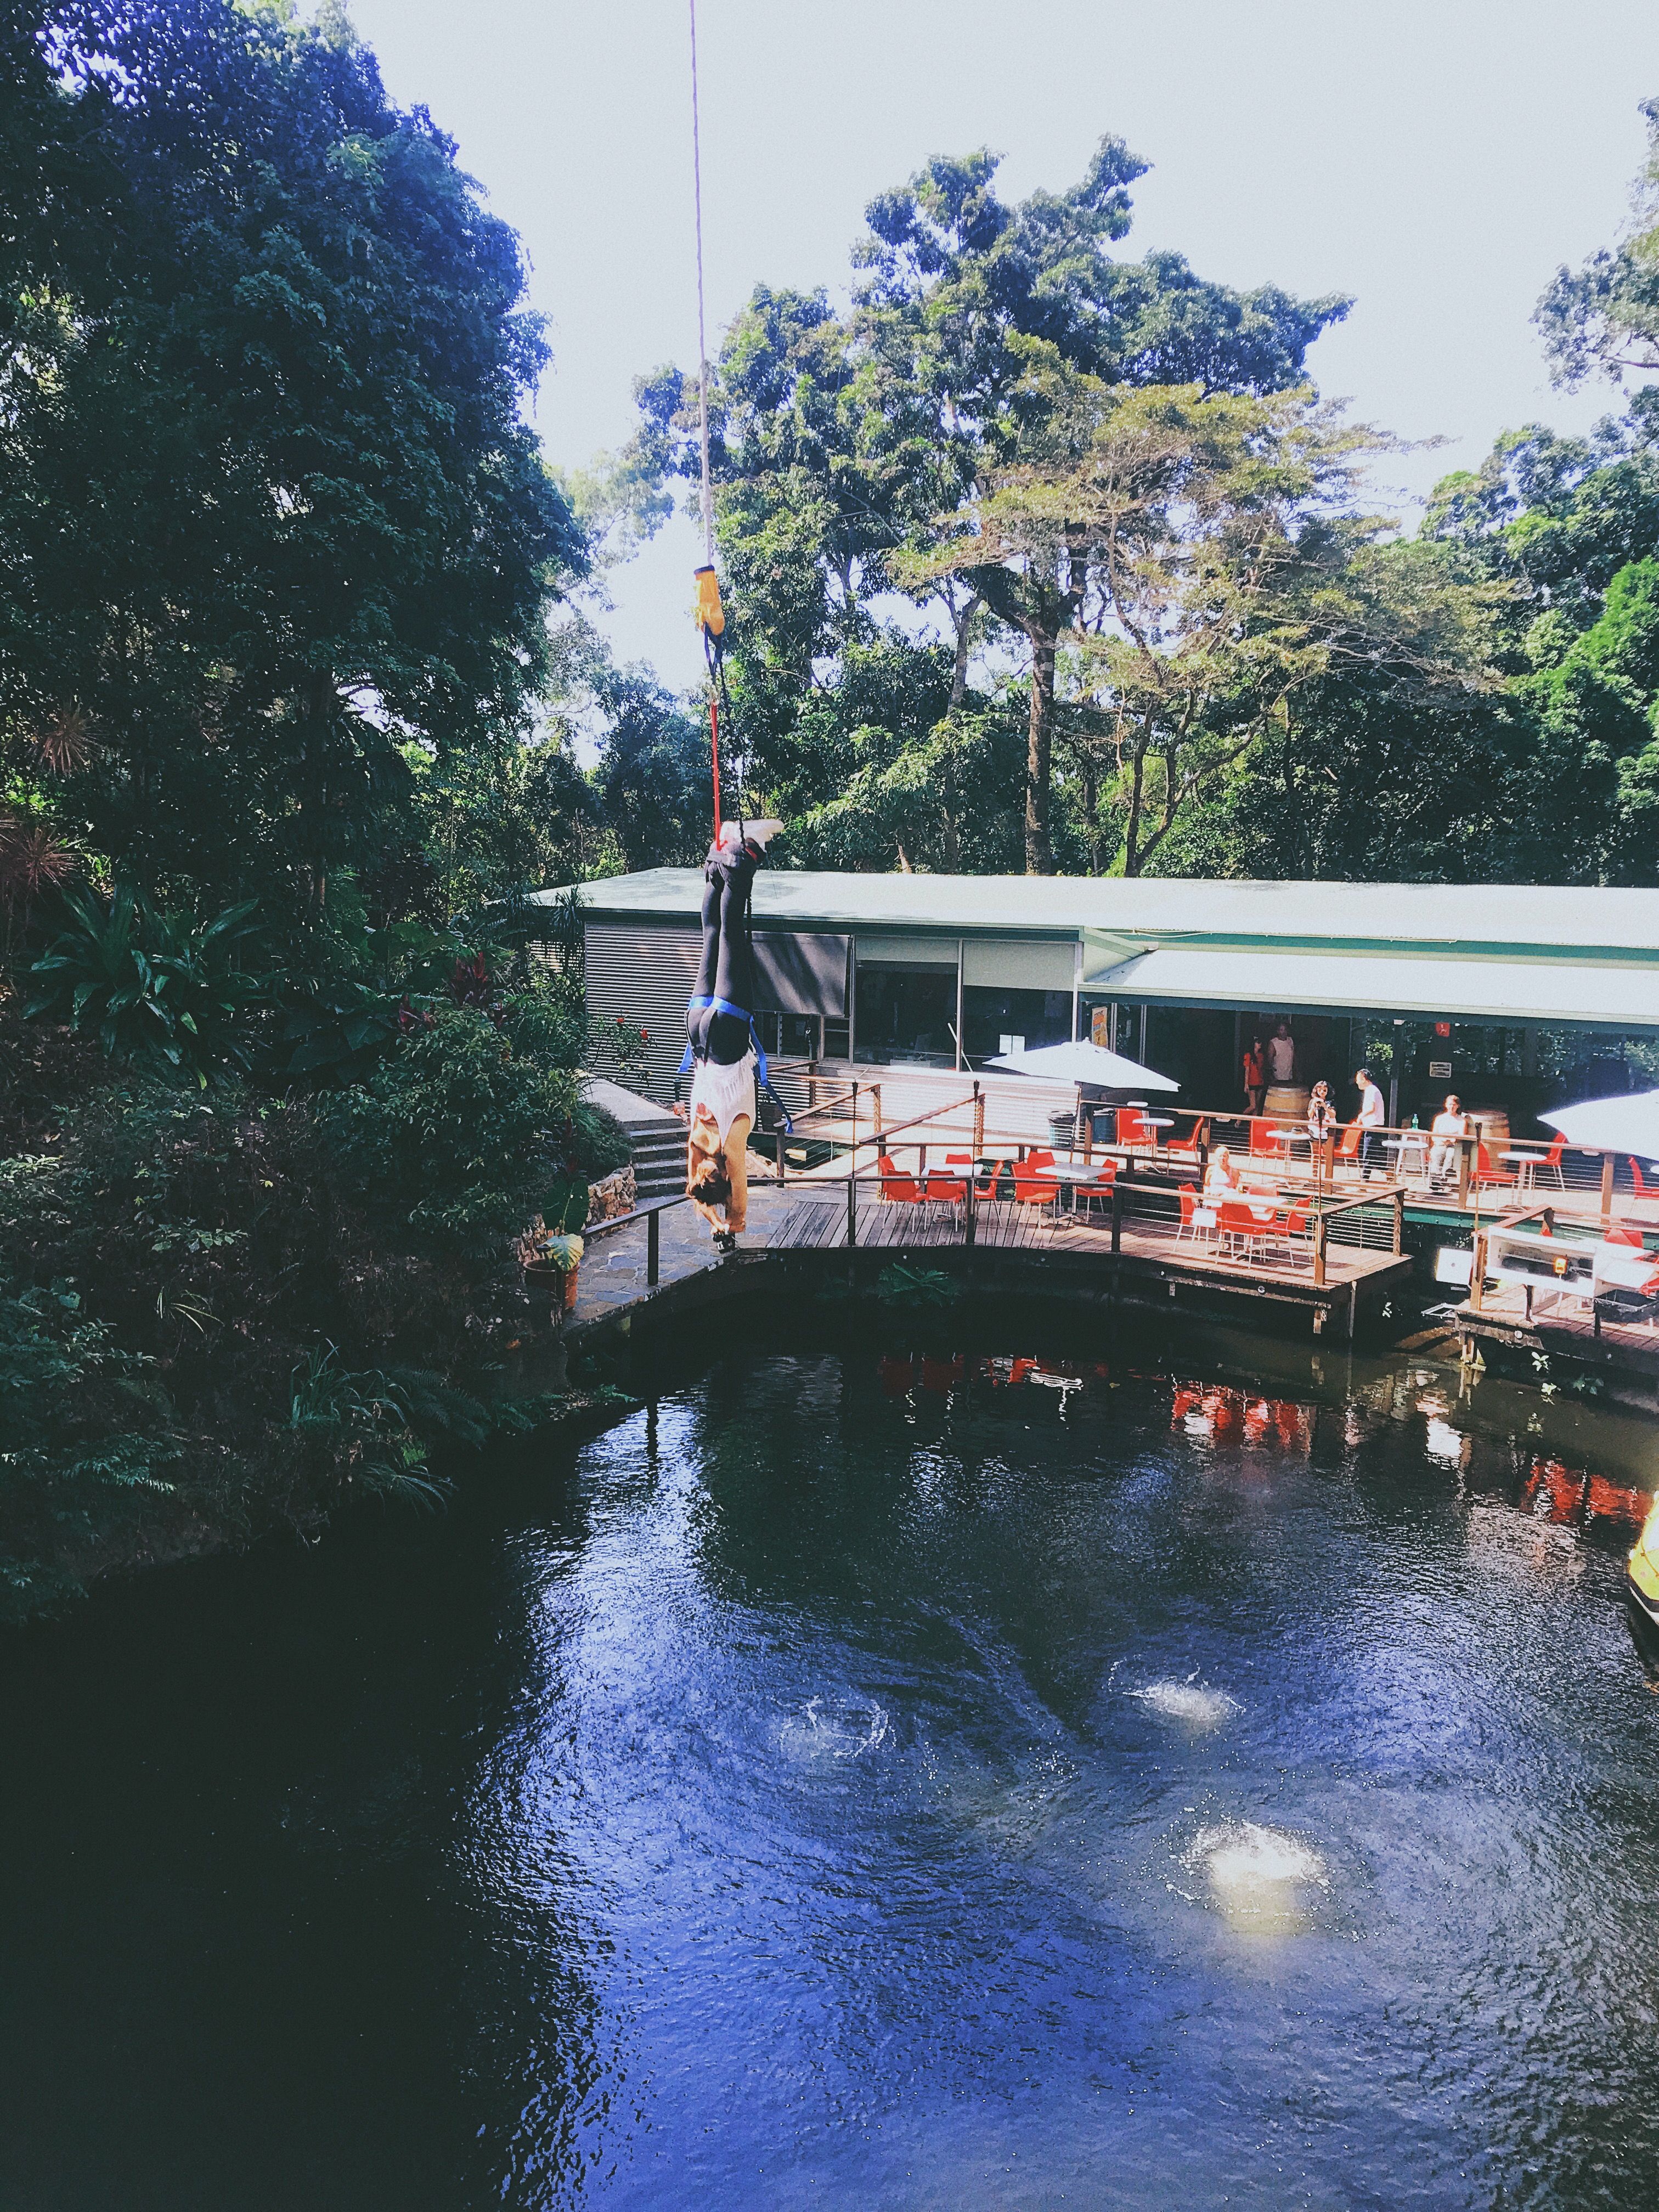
x,y
613,1266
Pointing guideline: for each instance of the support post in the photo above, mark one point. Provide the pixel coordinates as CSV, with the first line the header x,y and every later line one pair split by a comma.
x,y
875,1108
1398,1222
979,1121
1607,1188
1478,1273
780,1164
852,1179
1321,1245
1117,1217
967,1204
653,1247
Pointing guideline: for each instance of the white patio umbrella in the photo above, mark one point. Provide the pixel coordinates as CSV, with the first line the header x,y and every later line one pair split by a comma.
x,y
1630,1124
1082,1062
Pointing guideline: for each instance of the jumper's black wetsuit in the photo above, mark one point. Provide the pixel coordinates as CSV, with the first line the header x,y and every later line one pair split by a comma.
x,y
727,968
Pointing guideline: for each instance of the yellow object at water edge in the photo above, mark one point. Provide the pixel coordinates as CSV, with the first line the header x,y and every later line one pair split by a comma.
x,y
1645,1566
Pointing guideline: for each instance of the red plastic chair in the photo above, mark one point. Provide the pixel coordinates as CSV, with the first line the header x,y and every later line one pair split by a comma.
x,y
898,1189
1637,1182
1131,1127
1191,1202
1100,1190
1263,1141
945,1190
1043,1159
1551,1163
1292,1227
1035,1189
1488,1177
1237,1223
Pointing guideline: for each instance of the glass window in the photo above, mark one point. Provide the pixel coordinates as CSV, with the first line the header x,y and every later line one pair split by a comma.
x,y
989,1015
799,1037
907,1014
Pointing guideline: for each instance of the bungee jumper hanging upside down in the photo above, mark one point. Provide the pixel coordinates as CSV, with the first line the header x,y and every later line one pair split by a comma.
x,y
722,1049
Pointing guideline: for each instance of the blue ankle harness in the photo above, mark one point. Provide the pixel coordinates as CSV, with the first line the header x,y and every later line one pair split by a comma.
x,y
726,1006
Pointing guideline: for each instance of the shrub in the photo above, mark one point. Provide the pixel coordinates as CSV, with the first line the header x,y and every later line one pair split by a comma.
x,y
166,994
456,1136
599,1145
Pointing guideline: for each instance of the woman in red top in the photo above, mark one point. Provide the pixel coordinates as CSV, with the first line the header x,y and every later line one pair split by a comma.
x,y
1256,1077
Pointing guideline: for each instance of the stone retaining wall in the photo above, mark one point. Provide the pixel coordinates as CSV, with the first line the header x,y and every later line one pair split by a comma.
x,y
614,1196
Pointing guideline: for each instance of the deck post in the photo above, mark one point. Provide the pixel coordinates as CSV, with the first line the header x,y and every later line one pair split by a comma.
x,y
875,1108
967,1204
1607,1190
653,1247
1398,1222
1117,1217
1465,1153
1321,1241
852,1179
979,1121
781,1166
1477,1273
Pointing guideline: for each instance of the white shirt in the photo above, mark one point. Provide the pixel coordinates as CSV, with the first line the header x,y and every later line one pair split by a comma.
x,y
725,1091
1281,1058
1447,1125
1372,1111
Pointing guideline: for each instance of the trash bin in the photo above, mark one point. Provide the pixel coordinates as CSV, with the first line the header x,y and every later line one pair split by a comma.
x,y
1062,1131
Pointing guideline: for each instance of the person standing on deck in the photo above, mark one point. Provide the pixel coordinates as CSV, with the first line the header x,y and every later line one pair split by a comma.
x,y
1281,1053
1322,1120
1372,1117
1256,1077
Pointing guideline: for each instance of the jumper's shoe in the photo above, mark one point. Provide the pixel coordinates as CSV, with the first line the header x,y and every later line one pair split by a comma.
x,y
725,1240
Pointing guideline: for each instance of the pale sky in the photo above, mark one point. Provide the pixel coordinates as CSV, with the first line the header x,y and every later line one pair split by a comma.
x,y
1438,159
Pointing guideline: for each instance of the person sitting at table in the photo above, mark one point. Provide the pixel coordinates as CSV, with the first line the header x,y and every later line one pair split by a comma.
x,y
1220,1177
1322,1120
1447,1126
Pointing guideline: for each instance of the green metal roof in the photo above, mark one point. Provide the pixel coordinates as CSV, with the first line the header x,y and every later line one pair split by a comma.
x,y
1494,920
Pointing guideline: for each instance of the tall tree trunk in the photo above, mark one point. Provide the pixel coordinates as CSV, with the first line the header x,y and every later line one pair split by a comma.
x,y
1132,833
1039,755
963,620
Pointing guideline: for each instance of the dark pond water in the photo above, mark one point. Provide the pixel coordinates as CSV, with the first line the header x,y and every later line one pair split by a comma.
x,y
873,1782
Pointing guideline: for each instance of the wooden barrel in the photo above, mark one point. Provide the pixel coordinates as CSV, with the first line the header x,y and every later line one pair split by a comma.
x,y
1494,1131
1287,1102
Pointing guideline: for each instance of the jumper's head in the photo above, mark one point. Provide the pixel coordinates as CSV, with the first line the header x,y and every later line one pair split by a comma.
x,y
708,1178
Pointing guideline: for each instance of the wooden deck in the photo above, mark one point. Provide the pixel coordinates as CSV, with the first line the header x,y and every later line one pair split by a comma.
x,y
1150,1260
1558,1343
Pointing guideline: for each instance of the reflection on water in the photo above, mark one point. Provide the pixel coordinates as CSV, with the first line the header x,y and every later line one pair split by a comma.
x,y
967,1779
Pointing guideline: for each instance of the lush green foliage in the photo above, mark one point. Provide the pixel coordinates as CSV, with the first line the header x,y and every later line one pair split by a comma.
x,y
267,510
154,990
451,1137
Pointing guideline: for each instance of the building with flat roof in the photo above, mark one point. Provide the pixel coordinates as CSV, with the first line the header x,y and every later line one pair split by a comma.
x,y
1527,994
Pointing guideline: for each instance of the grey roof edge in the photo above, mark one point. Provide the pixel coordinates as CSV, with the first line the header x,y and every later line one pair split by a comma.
x,y
1521,921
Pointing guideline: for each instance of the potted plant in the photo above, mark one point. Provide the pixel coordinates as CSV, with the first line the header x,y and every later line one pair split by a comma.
x,y
556,1242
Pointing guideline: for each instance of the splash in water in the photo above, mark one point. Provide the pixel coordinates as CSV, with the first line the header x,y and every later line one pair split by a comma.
x,y
829,1729
1200,1708
1265,1880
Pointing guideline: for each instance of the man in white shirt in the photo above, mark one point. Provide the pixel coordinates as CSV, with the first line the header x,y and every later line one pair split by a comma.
x,y
1446,1129
1281,1054
1372,1118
